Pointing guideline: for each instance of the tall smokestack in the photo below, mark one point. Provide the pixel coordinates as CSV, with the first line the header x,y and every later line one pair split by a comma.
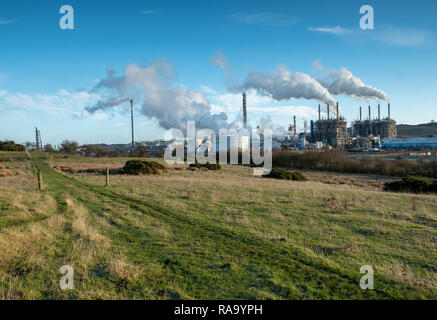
x,y
294,125
338,112
328,110
361,114
379,112
244,111
389,110
370,115
312,131
132,121
319,113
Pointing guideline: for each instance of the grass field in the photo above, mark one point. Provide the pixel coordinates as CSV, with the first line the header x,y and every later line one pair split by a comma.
x,y
209,235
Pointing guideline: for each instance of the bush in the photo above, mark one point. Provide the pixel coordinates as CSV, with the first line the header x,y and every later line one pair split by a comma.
x,y
341,162
49,148
283,174
209,166
69,146
140,167
413,184
11,146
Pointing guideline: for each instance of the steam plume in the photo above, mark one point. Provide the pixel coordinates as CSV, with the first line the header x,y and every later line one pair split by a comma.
x,y
105,105
344,82
282,85
171,106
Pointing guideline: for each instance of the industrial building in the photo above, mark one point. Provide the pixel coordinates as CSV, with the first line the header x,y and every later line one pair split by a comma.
x,y
383,128
419,142
330,131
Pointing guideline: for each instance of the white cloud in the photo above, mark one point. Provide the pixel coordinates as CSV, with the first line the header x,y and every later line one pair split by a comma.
x,y
386,34
215,108
6,21
265,19
401,36
62,102
208,90
334,30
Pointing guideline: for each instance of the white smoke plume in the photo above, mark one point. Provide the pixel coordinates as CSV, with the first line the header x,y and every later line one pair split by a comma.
x,y
344,82
171,106
105,105
283,85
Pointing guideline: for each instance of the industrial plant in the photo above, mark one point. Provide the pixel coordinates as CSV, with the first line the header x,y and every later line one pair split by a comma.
x,y
332,131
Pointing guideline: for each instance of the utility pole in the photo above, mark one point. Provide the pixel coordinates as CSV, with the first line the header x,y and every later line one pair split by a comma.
x,y
132,121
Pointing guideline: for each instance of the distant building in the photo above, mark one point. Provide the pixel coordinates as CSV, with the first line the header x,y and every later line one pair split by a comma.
x,y
384,128
331,132
410,143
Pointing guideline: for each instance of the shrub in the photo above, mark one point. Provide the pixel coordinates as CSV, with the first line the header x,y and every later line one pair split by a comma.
x,y
209,166
283,174
341,162
413,184
69,146
11,146
140,167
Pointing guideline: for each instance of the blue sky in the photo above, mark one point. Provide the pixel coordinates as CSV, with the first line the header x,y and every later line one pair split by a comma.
x,y
47,74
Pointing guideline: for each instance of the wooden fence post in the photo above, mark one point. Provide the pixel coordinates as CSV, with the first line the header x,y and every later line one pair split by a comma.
x,y
40,185
107,177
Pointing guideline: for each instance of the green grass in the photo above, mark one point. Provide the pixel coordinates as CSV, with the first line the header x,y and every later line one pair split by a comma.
x,y
210,235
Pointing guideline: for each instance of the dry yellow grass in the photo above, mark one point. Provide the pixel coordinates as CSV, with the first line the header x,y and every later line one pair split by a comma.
x,y
210,231
5,173
227,195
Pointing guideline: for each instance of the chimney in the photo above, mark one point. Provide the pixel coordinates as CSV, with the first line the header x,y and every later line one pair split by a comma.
x,y
294,125
379,112
132,121
361,114
328,110
244,111
338,112
389,110
319,113
370,115
312,131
